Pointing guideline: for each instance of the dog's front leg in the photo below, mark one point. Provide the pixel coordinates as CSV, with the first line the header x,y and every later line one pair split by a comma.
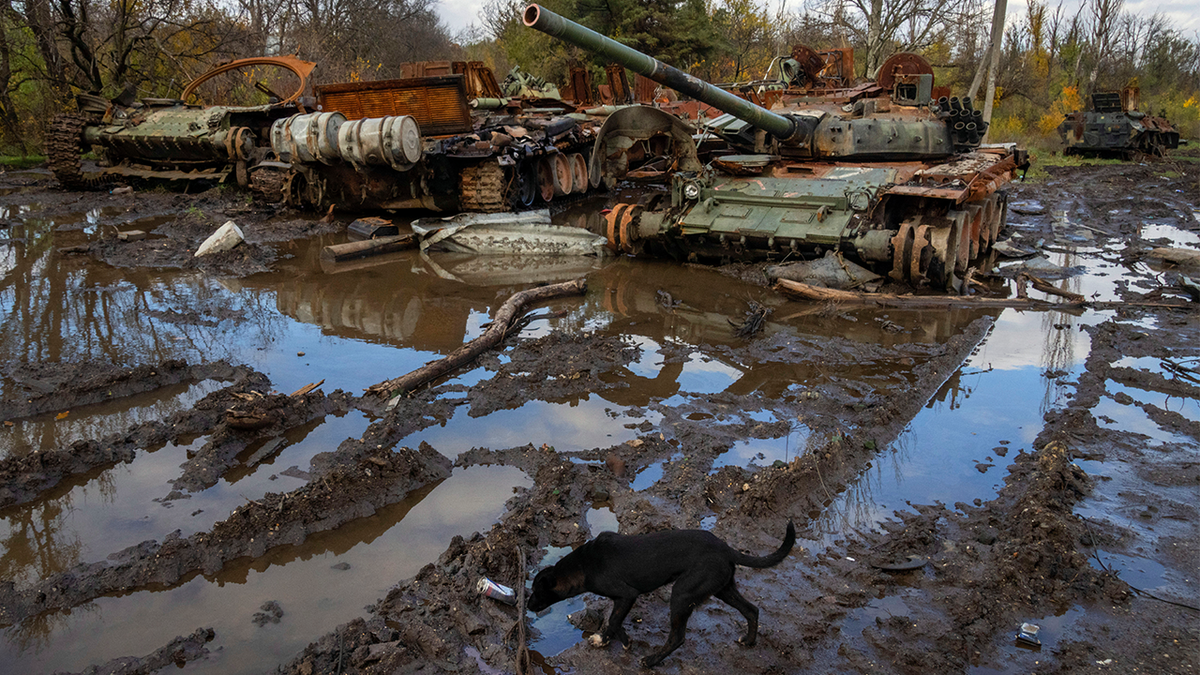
x,y
616,621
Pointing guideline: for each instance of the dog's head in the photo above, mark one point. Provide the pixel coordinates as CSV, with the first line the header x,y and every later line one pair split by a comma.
x,y
551,585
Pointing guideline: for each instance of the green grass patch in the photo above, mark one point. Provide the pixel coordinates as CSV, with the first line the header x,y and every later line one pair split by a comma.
x,y
18,162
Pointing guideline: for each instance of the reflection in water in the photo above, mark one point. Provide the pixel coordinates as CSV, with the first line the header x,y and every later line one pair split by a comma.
x,y
379,551
60,308
959,446
34,545
50,432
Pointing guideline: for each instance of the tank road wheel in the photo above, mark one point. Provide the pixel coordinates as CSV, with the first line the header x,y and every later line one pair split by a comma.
x,y
545,174
922,255
525,184
268,184
947,241
563,175
64,147
902,246
579,173
482,187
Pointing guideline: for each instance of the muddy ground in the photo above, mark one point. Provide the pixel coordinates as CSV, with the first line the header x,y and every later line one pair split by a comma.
x,y
933,588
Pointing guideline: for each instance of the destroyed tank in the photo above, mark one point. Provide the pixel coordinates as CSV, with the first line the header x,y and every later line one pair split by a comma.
x,y
449,141
1115,127
881,172
444,139
169,139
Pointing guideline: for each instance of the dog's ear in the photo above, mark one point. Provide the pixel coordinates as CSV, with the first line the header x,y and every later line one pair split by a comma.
x,y
569,584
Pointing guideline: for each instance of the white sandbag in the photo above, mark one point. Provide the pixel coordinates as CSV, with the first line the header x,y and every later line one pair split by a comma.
x,y
226,237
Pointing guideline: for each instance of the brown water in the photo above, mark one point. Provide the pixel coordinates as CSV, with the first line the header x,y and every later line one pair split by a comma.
x,y
356,324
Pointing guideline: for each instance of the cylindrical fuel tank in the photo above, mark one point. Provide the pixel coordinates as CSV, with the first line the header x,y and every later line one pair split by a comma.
x,y
393,140
311,137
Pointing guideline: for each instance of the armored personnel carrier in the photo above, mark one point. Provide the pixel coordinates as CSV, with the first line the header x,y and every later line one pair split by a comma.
x,y
882,171
164,138
1115,127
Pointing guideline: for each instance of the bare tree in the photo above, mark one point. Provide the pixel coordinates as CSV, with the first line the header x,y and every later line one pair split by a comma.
x,y
886,26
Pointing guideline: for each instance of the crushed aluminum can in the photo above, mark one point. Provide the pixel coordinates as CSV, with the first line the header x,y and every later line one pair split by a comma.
x,y
496,591
1028,635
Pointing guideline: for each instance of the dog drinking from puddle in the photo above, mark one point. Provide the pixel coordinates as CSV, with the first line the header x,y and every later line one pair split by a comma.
x,y
622,567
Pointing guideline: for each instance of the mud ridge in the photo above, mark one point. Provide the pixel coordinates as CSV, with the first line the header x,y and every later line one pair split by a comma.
x,y
52,387
276,413
24,477
352,489
177,652
437,619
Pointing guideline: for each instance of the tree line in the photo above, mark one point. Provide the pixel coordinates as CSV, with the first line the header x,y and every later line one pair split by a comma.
x,y
1049,58
52,49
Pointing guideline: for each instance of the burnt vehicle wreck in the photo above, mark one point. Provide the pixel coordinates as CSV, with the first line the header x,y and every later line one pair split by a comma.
x,y
170,139
881,171
440,142
444,143
1115,127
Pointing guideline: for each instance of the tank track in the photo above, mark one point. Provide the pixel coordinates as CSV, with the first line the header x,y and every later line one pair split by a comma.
x,y
482,188
64,144
268,184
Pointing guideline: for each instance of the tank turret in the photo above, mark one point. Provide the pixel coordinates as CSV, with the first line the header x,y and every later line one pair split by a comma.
x,y
851,127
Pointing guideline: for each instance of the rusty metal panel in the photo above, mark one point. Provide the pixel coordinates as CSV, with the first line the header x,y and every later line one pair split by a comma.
x,y
439,104
618,84
416,69
643,89
581,86
481,81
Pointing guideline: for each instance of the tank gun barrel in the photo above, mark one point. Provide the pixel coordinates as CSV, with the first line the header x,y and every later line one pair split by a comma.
x,y
546,21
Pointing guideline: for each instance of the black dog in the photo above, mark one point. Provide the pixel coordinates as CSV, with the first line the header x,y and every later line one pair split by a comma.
x,y
623,567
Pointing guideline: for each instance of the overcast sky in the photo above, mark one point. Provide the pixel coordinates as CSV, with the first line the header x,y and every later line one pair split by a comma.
x,y
1183,14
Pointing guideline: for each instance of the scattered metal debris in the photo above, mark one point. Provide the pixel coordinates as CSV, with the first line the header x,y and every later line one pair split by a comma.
x,y
831,271
529,233
755,319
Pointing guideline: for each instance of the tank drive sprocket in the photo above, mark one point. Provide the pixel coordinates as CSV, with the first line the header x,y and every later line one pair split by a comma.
x,y
64,147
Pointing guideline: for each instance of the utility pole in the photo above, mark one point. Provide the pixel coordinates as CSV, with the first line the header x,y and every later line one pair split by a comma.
x,y
990,62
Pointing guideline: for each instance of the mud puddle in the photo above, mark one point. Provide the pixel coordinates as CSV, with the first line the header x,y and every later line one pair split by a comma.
x,y
327,580
635,407
352,329
52,430
133,502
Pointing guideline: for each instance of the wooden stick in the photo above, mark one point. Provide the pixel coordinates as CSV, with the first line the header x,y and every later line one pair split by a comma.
x,y
508,313
368,247
1046,287
817,294
801,291
307,388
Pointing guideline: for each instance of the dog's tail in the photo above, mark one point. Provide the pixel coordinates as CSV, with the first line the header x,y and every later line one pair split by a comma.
x,y
772,559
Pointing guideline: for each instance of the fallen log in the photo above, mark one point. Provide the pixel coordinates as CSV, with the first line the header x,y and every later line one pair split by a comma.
x,y
804,291
1183,257
368,247
801,291
506,316
1045,287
